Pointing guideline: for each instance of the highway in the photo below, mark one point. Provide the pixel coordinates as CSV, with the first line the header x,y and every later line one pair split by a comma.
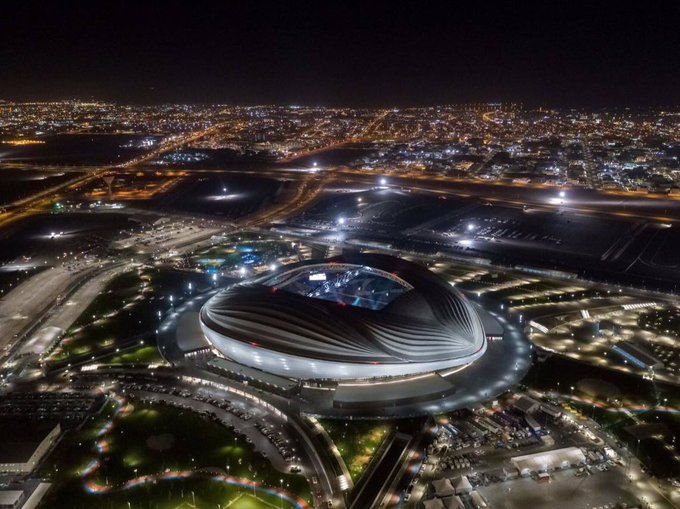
x,y
364,136
26,304
540,197
39,201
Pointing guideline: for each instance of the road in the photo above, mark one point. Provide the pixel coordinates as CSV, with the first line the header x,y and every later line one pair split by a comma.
x,y
365,135
62,316
308,190
612,205
39,201
26,304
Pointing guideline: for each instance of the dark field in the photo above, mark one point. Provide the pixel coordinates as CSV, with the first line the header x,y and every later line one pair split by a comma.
x,y
16,184
225,195
76,149
30,240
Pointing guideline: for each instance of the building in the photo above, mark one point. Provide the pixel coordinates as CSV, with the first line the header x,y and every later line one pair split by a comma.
x,y
27,494
478,500
526,405
433,503
442,487
461,485
356,316
551,410
532,423
636,355
23,444
454,502
11,499
549,460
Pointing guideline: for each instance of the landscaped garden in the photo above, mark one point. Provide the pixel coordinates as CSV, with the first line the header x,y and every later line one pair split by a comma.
x,y
157,456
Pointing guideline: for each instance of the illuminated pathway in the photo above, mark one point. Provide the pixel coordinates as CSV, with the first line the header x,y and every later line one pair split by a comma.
x,y
101,445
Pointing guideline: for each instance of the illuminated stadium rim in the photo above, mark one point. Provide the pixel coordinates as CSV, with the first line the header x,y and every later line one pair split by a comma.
x,y
275,281
430,328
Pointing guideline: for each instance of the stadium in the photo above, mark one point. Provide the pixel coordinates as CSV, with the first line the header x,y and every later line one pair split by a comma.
x,y
353,317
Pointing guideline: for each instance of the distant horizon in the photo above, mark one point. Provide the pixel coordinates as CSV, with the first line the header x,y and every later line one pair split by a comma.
x,y
519,104
576,54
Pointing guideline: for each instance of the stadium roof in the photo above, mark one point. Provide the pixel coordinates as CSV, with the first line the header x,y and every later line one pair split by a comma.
x,y
357,308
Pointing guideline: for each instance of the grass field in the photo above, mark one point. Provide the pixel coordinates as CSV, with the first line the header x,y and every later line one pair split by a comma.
x,y
122,314
357,441
152,440
141,355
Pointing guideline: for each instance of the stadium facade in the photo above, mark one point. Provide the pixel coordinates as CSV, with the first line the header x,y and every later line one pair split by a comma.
x,y
356,316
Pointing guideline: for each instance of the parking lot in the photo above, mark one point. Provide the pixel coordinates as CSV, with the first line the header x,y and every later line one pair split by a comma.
x,y
564,491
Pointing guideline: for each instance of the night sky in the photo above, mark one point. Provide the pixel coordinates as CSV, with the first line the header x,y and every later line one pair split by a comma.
x,y
554,53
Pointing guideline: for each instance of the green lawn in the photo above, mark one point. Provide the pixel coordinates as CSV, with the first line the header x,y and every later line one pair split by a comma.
x,y
151,440
142,355
357,441
126,309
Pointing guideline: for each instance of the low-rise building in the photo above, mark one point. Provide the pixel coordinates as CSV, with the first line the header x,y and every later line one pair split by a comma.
x,y
23,445
11,499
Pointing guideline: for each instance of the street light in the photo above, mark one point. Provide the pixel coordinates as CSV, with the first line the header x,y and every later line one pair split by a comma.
x,y
281,493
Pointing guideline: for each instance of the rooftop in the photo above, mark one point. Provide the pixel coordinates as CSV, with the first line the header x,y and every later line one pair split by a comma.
x,y
348,284
20,438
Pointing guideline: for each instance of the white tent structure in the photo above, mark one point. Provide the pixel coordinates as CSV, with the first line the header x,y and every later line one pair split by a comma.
x,y
453,502
434,503
549,460
443,487
461,484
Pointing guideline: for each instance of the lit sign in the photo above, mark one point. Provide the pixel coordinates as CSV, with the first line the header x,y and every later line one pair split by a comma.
x,y
321,276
